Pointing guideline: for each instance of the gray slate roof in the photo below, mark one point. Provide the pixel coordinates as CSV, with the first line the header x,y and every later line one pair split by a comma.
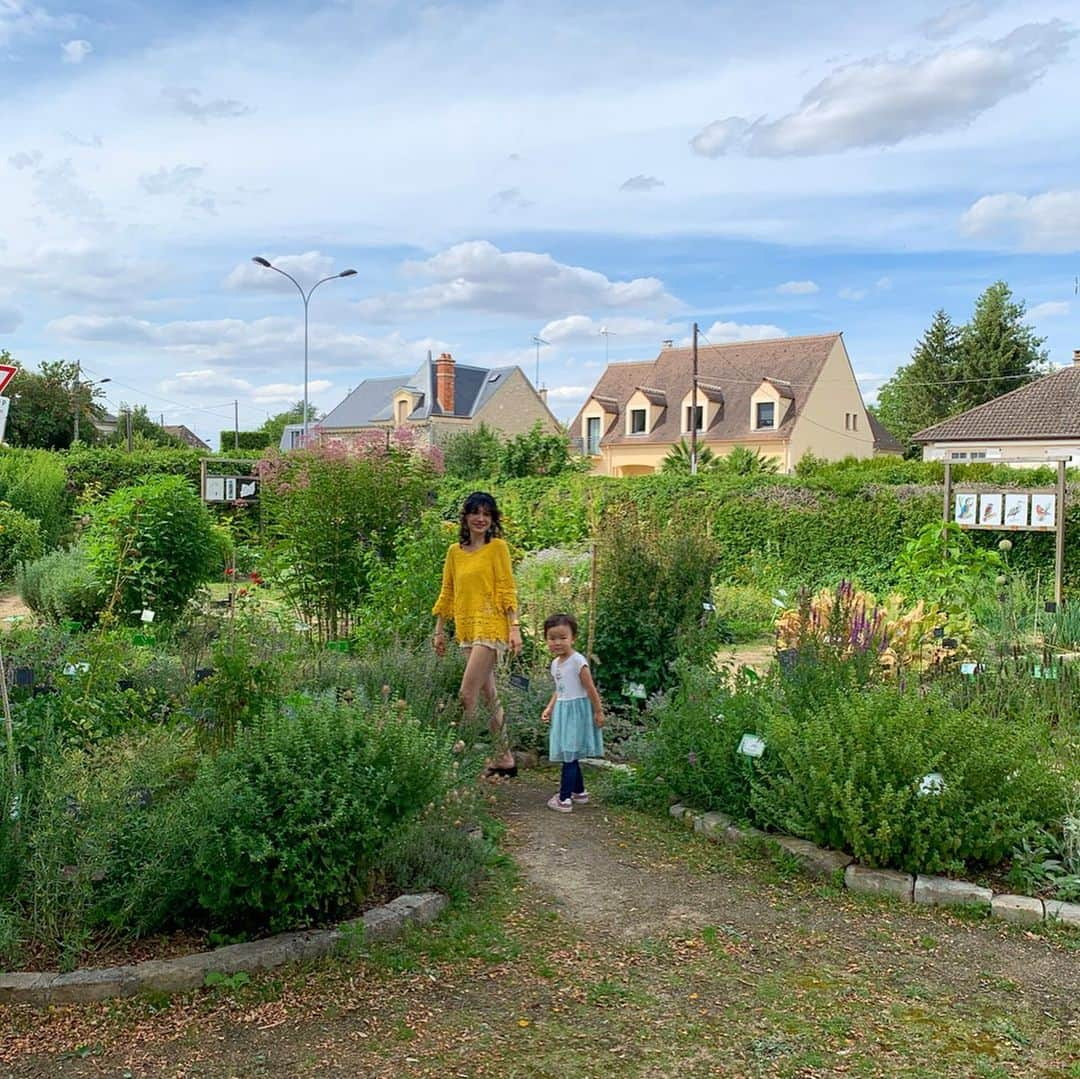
x,y
1049,407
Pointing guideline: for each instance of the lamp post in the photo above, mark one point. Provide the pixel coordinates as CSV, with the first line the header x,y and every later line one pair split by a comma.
x,y
306,297
76,402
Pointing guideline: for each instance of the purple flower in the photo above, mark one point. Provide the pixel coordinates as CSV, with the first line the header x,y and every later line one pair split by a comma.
x,y
691,758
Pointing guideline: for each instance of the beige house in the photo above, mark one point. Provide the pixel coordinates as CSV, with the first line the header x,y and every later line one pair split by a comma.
x,y
440,399
784,397
1036,422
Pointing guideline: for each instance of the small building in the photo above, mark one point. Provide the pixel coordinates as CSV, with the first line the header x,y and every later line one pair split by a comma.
x,y
186,435
440,399
784,397
1039,421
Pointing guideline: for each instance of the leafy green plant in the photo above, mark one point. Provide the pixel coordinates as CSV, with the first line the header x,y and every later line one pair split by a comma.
x,y
473,455
34,482
535,453
62,585
293,816
744,612
679,458
435,854
941,564
20,540
150,547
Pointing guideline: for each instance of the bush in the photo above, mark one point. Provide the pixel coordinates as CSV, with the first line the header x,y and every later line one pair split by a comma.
x,y
859,773
434,854
61,585
102,470
293,816
34,481
150,547
20,540
745,613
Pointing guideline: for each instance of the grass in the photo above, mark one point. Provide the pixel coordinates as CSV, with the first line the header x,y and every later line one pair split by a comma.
x,y
505,984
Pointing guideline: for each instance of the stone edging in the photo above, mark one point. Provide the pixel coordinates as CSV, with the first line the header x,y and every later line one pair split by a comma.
x,y
189,971
907,887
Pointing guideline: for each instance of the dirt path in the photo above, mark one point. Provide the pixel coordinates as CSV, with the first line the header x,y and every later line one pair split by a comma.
x,y
626,948
11,604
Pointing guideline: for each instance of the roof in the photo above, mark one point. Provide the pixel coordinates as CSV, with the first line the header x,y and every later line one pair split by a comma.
x,y
884,439
1049,407
730,373
186,435
372,401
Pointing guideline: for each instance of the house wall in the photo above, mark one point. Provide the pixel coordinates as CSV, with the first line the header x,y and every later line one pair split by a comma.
x,y
820,425
515,407
631,460
1035,450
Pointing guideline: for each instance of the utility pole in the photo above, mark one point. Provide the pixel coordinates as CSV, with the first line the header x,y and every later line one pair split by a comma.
x,y
538,341
236,424
78,372
693,410
130,438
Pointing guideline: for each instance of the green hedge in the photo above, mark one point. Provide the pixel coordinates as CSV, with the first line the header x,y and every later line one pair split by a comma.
x,y
35,483
249,440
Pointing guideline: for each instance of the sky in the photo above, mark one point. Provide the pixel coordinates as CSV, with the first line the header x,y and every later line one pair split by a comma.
x,y
500,171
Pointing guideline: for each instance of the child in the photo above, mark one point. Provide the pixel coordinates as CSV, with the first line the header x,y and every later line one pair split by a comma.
x,y
574,712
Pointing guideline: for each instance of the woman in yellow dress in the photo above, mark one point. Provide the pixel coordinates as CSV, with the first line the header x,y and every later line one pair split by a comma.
x,y
478,593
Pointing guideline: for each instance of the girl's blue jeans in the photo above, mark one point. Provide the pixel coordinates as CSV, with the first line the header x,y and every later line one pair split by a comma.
x,y
572,782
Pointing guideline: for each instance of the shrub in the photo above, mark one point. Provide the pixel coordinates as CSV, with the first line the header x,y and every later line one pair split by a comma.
x,y
434,854
861,773
150,547
473,455
61,585
34,481
744,612
103,470
294,815
20,540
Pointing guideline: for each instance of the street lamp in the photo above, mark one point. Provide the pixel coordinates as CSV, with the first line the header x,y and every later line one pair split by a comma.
x,y
78,408
306,297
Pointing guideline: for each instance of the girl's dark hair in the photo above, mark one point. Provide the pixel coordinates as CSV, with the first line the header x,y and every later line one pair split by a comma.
x,y
479,500
567,620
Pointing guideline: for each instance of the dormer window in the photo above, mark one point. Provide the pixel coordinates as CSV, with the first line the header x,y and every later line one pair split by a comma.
x,y
765,418
694,418
638,421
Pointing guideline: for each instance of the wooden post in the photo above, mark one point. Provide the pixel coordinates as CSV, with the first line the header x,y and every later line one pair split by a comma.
x,y
1059,546
202,478
592,602
9,729
946,508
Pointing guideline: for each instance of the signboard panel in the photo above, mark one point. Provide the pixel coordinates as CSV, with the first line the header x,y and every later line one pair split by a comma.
x,y
1000,511
231,488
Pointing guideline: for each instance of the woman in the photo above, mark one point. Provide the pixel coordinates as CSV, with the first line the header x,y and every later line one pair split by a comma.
x,y
478,593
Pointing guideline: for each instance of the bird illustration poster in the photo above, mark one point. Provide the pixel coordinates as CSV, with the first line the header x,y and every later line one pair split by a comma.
x,y
1016,511
990,509
965,509
1044,511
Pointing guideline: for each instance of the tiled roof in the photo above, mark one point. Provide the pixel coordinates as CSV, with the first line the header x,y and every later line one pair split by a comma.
x,y
735,370
653,395
884,439
1049,407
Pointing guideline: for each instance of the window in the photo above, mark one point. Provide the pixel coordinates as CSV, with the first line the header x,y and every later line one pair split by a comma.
x,y
637,421
402,412
958,455
854,421
592,436
847,421
695,417
766,414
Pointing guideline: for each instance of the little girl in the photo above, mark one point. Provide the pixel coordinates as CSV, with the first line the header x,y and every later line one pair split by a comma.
x,y
574,711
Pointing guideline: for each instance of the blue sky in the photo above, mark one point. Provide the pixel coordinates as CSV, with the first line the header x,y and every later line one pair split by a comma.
x,y
494,171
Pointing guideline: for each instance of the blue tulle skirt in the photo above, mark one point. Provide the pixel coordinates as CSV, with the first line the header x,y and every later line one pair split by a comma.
x,y
573,733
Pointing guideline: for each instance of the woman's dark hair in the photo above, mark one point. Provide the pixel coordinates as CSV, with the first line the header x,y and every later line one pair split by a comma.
x,y
567,620
479,500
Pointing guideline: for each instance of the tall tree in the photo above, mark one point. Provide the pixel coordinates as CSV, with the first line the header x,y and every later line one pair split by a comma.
x,y
998,351
143,428
42,411
923,392
275,425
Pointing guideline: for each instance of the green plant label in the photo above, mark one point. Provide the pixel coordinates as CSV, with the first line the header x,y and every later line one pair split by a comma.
x,y
634,689
751,745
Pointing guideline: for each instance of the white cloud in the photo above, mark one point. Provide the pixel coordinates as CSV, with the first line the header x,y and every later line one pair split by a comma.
x,y
721,333
209,382
81,271
57,188
853,294
25,159
584,328
1046,222
954,18
169,181
1050,309
75,52
567,393
797,288
184,100
883,101
641,182
883,284
20,19
307,268
477,276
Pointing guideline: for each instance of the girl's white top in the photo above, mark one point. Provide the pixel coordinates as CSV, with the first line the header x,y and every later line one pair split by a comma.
x,y
567,675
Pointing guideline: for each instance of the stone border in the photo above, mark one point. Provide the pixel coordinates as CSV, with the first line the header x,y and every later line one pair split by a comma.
x,y
907,887
189,971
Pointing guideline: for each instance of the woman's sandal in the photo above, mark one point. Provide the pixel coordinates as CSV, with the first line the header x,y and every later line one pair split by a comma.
x,y
495,770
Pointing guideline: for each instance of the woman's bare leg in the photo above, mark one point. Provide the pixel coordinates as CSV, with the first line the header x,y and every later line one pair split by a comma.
x,y
479,677
497,723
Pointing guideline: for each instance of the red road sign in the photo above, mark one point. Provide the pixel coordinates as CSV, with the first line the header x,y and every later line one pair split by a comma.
x,y
7,373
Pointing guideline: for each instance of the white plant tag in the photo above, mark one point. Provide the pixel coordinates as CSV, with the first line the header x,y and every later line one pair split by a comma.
x,y
751,745
931,783
968,668
147,616
73,669
634,689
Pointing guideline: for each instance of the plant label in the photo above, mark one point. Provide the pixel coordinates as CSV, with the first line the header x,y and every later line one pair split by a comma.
x,y
931,783
968,668
519,681
634,689
751,745
147,616
72,669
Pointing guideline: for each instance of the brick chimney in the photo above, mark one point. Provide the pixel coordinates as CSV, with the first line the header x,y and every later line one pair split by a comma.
x,y
444,382
1076,355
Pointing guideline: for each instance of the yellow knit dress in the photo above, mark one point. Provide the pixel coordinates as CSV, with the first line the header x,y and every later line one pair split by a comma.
x,y
478,593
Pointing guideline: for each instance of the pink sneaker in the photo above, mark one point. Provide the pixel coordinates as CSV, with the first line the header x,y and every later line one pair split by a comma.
x,y
560,806
581,799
